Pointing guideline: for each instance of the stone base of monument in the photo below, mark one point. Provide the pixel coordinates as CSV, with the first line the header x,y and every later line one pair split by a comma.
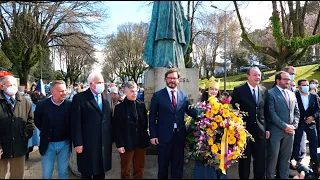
x,y
154,81
73,163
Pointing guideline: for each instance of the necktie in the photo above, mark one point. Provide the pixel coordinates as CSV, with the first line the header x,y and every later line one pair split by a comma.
x,y
174,101
12,102
254,96
286,96
99,104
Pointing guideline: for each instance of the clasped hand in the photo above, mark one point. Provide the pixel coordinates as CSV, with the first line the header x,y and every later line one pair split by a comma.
x,y
290,129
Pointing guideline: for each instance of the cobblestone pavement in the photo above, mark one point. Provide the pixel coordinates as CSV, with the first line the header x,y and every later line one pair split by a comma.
x,y
33,168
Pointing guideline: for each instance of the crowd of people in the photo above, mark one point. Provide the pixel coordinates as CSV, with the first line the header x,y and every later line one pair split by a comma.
x,y
91,119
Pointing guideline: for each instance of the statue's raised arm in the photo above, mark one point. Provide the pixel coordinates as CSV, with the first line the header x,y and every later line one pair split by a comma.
x,y
168,36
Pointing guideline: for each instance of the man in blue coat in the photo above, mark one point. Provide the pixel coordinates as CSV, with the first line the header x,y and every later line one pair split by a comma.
x,y
167,127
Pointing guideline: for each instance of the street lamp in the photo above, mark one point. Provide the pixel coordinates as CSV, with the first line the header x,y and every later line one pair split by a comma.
x,y
225,46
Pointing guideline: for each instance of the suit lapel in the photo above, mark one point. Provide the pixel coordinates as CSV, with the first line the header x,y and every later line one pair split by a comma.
x,y
180,99
280,95
167,97
91,99
299,100
247,88
260,94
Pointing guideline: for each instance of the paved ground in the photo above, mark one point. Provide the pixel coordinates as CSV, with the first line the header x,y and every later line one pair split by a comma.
x,y
33,168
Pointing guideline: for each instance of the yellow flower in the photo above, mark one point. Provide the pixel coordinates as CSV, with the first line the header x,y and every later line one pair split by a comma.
x,y
218,157
214,109
218,118
232,140
212,100
241,143
210,142
234,156
225,106
210,132
242,134
208,114
225,112
222,124
214,125
231,132
219,145
238,120
214,148
230,158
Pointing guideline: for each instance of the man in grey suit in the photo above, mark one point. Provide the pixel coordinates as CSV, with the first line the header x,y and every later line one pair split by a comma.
x,y
284,116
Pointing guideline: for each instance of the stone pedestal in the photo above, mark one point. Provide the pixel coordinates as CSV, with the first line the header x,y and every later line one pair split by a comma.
x,y
73,163
154,81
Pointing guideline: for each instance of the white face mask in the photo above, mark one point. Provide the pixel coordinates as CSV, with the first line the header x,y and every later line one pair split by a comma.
x,y
12,90
312,86
99,88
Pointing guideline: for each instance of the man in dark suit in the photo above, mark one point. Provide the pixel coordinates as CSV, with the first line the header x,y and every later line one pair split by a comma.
x,y
167,126
52,119
91,129
251,98
309,106
283,114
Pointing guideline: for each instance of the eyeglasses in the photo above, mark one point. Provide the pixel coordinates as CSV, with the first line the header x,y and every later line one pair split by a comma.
x,y
172,78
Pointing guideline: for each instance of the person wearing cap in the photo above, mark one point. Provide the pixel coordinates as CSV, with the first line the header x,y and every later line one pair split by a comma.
x,y
200,170
251,97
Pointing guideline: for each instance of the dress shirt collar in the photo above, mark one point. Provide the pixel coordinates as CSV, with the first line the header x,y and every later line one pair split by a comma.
x,y
280,89
169,90
94,94
256,88
55,103
8,97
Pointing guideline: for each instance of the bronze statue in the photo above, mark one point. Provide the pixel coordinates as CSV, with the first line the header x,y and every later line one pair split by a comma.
x,y
168,36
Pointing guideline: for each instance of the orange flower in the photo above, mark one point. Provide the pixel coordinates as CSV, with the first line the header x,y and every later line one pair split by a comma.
x,y
225,113
214,125
232,140
210,132
210,142
218,118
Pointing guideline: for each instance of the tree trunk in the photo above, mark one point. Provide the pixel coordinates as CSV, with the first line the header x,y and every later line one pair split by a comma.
x,y
24,78
280,64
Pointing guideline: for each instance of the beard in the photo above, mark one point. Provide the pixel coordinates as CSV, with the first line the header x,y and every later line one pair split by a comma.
x,y
171,85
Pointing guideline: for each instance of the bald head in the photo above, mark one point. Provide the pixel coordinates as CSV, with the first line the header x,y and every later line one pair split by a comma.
x,y
254,76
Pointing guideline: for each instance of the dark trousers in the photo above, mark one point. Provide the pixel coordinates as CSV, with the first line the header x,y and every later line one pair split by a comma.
x,y
171,152
313,142
135,158
257,151
98,176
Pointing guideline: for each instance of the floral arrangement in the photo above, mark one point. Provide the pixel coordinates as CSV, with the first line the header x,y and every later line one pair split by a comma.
x,y
218,136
